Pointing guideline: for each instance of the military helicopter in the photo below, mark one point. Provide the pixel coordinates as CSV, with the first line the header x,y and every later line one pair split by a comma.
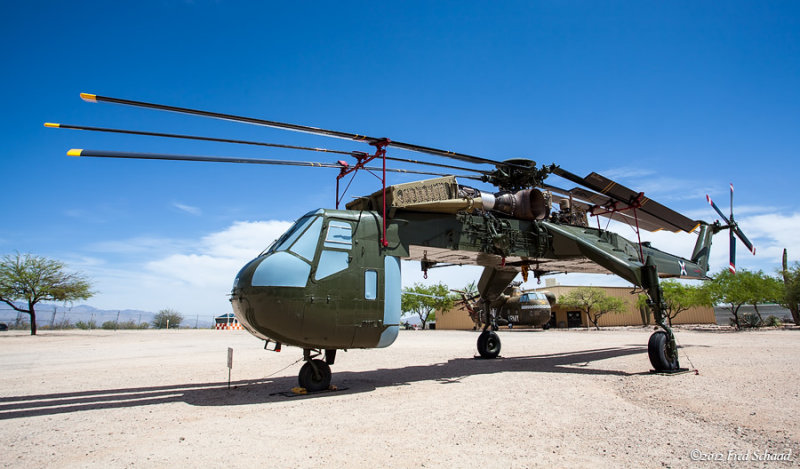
x,y
332,281
513,307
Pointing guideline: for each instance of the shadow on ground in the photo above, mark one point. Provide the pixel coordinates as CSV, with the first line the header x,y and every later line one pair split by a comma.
x,y
266,390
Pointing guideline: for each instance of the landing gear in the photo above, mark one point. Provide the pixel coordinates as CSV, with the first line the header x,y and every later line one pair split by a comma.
x,y
662,349
661,353
489,344
315,375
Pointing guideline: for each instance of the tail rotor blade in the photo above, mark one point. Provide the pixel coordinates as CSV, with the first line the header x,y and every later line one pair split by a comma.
x,y
732,266
719,212
731,201
744,239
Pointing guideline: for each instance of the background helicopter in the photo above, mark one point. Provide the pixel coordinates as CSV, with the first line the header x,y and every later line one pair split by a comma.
x,y
332,281
513,307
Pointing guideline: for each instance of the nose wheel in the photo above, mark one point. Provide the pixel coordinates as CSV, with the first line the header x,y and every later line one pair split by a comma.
x,y
315,375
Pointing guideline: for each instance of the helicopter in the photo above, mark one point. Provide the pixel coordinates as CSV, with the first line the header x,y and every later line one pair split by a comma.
x,y
513,307
333,280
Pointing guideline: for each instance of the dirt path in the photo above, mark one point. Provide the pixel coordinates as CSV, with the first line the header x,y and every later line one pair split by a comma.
x,y
556,399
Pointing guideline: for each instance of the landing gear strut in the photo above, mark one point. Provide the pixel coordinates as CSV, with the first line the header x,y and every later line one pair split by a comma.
x,y
661,348
315,375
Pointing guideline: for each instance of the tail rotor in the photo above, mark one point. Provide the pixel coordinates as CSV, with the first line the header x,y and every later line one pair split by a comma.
x,y
735,231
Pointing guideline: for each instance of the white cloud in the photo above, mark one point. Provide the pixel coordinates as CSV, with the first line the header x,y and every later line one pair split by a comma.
x,y
192,276
627,172
187,208
140,244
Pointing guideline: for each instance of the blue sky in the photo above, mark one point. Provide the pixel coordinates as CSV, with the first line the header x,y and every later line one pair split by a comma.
x,y
677,99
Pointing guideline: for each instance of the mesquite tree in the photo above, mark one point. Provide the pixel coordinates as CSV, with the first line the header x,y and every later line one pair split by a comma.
x,y
29,278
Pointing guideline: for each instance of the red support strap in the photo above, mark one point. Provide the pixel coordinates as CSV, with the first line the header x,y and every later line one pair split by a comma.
x,y
613,207
362,160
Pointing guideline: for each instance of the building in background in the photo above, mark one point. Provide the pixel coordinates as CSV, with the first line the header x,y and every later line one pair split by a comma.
x,y
566,317
227,322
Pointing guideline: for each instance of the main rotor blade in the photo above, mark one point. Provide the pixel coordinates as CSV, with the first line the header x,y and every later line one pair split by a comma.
x,y
197,137
355,154
92,98
643,220
236,159
598,183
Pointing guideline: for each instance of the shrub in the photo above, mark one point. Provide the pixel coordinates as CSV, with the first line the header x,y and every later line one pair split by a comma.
x,y
751,320
86,325
167,317
773,321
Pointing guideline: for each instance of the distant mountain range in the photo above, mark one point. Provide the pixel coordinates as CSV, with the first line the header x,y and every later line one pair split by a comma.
x,y
86,313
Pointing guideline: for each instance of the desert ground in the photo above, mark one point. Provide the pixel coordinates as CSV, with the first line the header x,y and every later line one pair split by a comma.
x,y
555,398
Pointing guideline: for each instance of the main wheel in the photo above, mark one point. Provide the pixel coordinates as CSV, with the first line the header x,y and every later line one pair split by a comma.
x,y
312,383
657,351
489,344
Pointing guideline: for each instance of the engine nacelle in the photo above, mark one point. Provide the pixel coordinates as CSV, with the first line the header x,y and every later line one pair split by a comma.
x,y
527,204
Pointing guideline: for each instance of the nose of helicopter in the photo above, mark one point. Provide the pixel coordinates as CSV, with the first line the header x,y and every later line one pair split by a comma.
x,y
264,301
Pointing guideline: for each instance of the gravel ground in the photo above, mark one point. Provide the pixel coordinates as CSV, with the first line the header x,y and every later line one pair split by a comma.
x,y
555,399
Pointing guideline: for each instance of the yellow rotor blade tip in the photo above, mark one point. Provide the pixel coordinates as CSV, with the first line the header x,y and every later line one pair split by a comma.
x,y
89,98
51,124
75,152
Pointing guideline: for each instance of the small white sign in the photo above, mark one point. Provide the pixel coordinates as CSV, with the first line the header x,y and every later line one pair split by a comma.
x,y
230,358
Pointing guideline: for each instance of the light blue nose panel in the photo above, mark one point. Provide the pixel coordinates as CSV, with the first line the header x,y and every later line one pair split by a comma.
x,y
281,269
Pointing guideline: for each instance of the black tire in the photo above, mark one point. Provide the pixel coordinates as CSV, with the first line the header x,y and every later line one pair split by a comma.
x,y
657,352
312,383
489,344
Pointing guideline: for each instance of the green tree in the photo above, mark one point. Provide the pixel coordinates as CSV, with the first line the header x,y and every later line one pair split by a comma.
x,y
644,308
29,278
743,288
167,318
593,302
424,301
764,289
679,297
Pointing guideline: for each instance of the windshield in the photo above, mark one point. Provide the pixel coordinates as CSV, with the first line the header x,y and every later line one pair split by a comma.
x,y
288,238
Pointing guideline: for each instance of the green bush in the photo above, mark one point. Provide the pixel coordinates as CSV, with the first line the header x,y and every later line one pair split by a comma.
x,y
773,321
86,325
167,317
114,325
63,324
751,320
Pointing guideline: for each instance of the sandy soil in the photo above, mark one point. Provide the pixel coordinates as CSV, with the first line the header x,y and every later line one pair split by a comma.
x,y
555,399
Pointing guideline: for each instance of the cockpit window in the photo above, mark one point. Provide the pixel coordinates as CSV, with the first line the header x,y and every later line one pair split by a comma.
x,y
331,262
306,245
293,233
340,235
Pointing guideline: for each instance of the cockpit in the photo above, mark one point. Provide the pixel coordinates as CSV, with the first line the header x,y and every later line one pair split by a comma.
x,y
287,261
